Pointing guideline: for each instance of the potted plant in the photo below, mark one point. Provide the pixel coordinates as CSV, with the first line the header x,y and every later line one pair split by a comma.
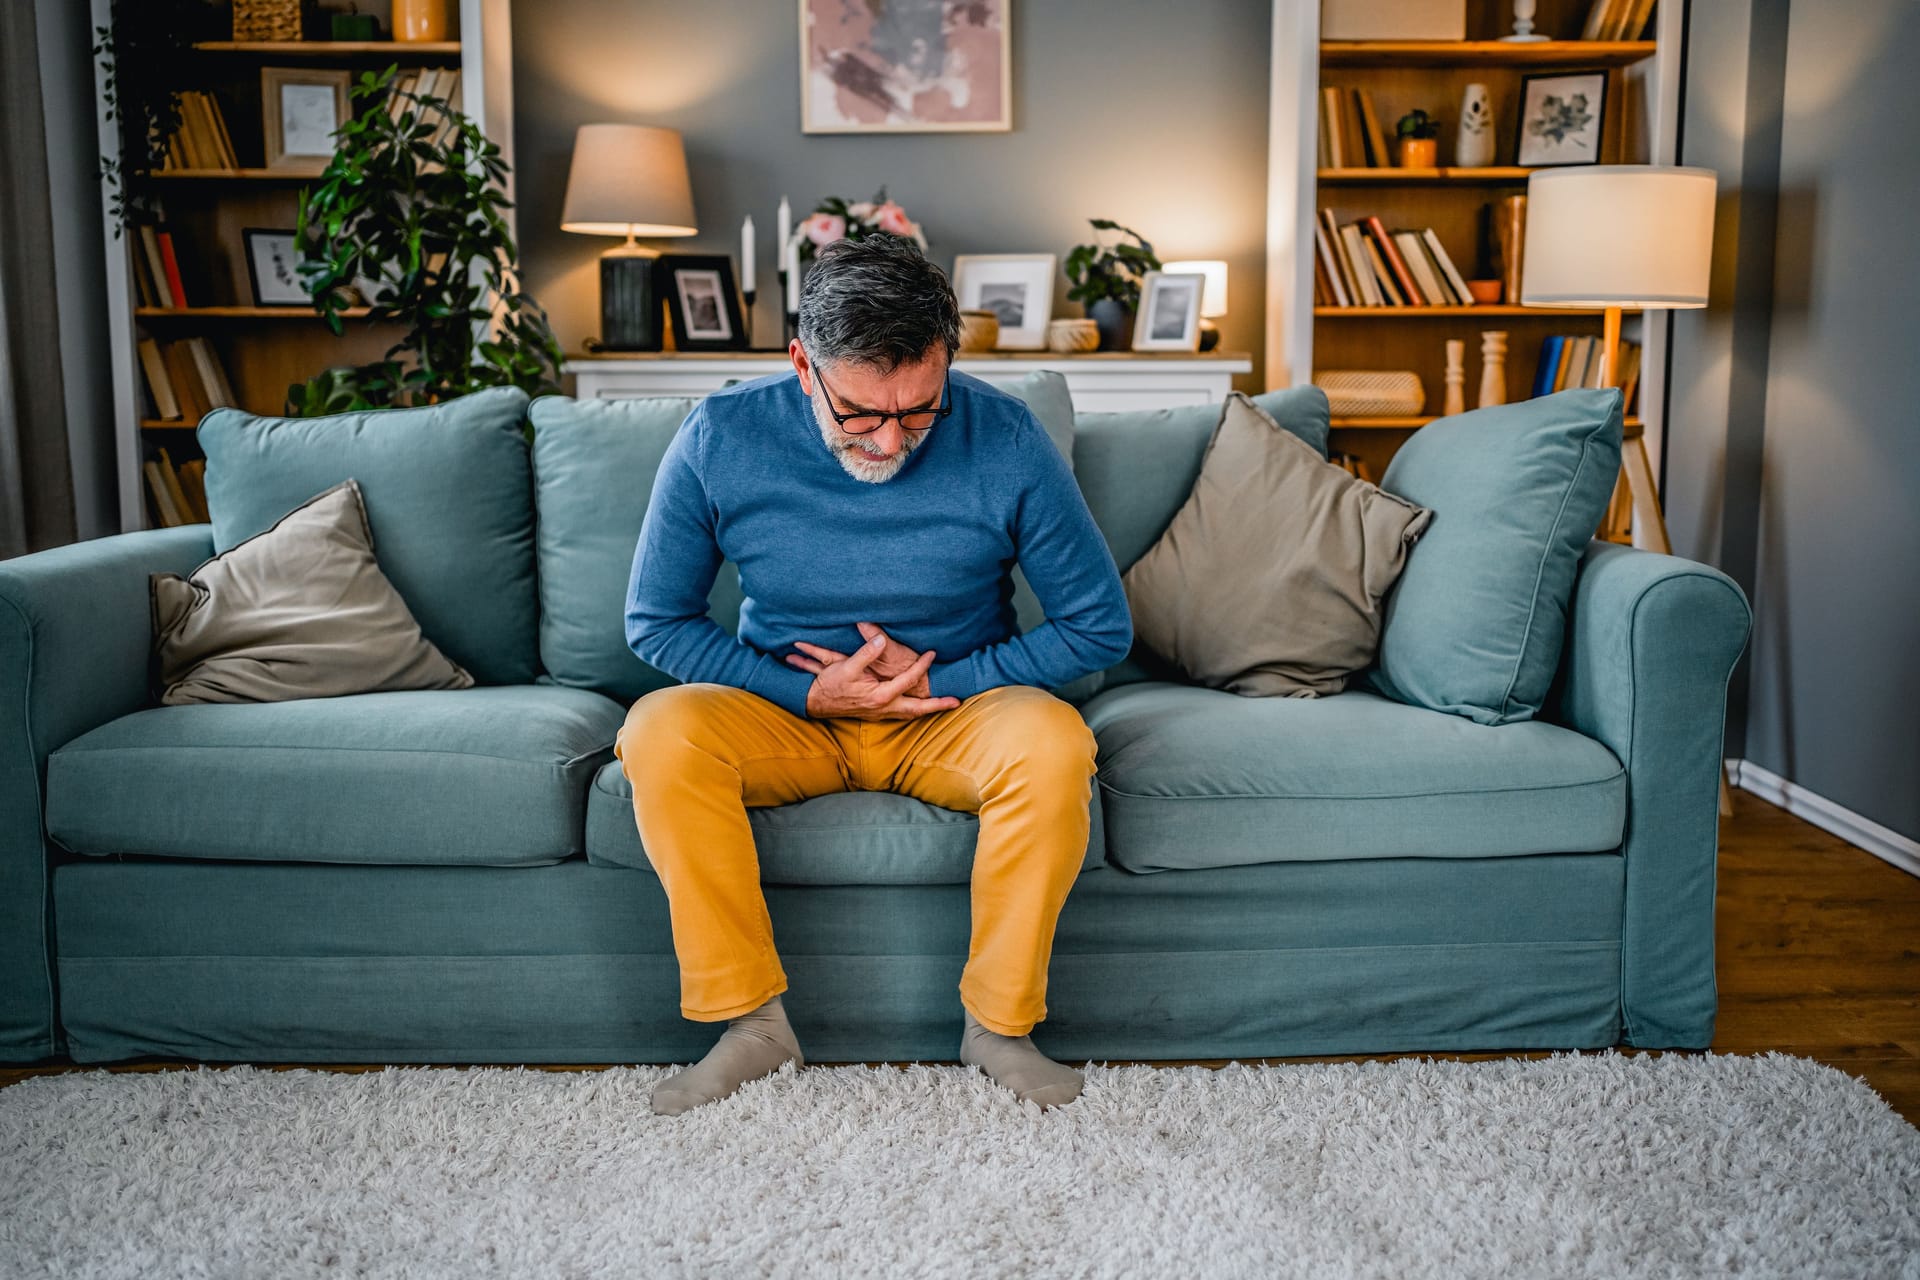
x,y
1106,280
407,214
1419,140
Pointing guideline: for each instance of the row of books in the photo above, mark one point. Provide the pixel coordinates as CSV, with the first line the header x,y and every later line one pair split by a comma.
x,y
1350,132
179,492
185,379
1568,361
427,82
202,140
1617,19
1363,264
156,268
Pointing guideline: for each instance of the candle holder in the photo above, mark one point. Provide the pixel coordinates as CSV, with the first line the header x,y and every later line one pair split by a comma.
x,y
746,317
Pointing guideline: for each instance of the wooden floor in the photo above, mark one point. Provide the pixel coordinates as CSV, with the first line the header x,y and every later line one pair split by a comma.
x,y
1818,955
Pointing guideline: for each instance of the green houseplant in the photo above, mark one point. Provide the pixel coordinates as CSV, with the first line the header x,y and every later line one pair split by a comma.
x,y
407,215
1419,140
1106,280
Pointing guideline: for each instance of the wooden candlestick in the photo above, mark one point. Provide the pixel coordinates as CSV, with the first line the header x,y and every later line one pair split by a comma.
x,y
1456,401
1493,367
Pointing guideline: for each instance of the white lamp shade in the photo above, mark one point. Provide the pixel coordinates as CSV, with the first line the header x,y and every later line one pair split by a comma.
x,y
1213,296
628,179
1618,235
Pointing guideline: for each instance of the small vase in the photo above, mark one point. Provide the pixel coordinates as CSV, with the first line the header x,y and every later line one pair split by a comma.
x,y
1116,324
1419,153
419,20
1473,148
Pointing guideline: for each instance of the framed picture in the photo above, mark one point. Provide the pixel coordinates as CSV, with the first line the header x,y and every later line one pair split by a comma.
x,y
303,106
1169,317
1561,117
701,301
1016,287
905,66
273,259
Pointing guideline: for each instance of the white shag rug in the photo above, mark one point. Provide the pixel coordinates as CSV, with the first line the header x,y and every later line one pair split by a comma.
x,y
1576,1165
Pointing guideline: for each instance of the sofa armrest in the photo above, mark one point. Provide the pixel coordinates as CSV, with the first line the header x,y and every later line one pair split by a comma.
x,y
1651,643
75,635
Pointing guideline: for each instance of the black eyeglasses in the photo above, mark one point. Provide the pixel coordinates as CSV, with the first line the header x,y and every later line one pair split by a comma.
x,y
867,422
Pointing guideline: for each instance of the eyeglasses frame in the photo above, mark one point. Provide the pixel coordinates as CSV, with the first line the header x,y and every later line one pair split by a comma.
x,y
841,419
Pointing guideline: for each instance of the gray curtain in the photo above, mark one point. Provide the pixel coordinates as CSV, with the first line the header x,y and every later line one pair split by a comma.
x,y
36,472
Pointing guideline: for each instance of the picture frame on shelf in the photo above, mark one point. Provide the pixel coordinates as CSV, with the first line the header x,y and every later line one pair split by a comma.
x,y
1169,315
1016,287
703,303
273,269
1562,118
301,108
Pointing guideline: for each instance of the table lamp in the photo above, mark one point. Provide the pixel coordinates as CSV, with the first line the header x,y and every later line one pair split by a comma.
x,y
1613,236
1213,295
628,180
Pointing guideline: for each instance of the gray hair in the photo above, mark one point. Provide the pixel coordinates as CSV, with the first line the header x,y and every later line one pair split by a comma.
x,y
877,302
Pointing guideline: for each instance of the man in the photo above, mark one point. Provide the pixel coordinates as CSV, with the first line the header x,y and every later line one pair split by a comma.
x,y
874,501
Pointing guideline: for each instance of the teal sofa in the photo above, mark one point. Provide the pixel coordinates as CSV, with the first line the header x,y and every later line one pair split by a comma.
x,y
455,876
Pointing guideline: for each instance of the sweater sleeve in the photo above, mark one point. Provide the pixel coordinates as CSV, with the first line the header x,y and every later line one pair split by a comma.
x,y
668,623
1061,550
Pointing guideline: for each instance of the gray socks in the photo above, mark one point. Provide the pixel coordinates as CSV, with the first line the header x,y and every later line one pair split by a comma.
x,y
755,1044
1014,1063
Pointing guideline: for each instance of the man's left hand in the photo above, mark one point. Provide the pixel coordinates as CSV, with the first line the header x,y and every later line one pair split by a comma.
x,y
894,659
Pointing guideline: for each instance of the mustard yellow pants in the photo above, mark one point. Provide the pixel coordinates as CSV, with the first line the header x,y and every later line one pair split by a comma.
x,y
700,755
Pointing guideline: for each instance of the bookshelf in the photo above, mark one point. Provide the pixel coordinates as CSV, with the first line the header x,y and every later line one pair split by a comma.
x,y
259,350
1305,335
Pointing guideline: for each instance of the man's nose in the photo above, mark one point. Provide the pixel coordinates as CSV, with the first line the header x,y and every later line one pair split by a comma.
x,y
888,440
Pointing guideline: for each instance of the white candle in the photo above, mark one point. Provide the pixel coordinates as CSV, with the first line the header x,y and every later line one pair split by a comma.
x,y
793,275
784,219
747,275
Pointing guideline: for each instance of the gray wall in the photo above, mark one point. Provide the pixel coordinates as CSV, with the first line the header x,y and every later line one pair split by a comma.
x,y
1795,421
1151,113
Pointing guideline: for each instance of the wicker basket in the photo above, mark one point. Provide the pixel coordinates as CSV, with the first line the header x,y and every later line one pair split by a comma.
x,y
979,330
1360,393
1068,336
266,19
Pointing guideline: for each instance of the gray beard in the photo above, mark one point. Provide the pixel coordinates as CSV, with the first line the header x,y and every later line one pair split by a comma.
x,y
848,452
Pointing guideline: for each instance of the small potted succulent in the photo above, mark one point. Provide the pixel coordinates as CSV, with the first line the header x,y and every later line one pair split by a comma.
x,y
1419,140
1106,280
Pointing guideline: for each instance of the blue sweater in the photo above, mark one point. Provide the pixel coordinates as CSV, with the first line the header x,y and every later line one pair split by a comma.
x,y
926,555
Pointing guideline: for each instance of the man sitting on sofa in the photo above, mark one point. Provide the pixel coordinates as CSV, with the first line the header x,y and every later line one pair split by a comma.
x,y
874,501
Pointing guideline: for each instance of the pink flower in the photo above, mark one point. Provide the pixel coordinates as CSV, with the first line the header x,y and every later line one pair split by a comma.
x,y
825,228
893,220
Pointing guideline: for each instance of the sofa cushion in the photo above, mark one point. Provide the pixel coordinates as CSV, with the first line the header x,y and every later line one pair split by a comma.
x,y
850,837
1194,777
449,496
593,466
1476,622
491,776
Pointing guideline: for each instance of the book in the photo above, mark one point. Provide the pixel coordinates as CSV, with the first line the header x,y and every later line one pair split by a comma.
x,y
213,379
179,495
1364,279
186,383
1371,133
1330,121
156,266
159,384
1329,264
1635,26
193,478
1550,348
1383,274
1402,277
170,263
1599,14
1341,261
1414,254
1441,259
1629,379
169,514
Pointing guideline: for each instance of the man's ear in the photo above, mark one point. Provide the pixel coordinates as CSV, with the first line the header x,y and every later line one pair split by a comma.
x,y
801,365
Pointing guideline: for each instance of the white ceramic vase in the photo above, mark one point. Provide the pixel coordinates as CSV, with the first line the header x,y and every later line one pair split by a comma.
x,y
1473,147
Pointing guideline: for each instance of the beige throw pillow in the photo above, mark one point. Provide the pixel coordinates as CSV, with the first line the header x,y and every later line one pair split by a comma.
x,y
299,611
1270,579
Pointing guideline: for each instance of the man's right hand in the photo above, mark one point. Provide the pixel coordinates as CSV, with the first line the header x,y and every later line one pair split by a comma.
x,y
846,688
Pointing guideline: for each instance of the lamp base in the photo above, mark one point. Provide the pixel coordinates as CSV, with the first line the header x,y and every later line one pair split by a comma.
x,y
629,300
1209,335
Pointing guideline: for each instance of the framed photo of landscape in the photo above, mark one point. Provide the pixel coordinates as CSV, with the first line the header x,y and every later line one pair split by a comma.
x,y
905,66
1169,315
1016,287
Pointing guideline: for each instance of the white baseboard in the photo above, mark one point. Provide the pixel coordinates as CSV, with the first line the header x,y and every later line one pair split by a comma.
x,y
1882,842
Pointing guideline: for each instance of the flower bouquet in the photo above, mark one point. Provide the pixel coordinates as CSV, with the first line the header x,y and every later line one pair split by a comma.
x,y
836,218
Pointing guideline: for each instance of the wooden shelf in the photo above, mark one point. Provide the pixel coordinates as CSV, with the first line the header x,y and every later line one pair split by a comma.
x,y
1492,173
330,48
1390,423
1430,313
1488,53
239,313
240,175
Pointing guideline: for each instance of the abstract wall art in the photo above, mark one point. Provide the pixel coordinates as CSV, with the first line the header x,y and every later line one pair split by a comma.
x,y
905,66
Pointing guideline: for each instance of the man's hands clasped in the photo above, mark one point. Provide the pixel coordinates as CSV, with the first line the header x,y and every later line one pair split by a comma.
x,y
882,680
